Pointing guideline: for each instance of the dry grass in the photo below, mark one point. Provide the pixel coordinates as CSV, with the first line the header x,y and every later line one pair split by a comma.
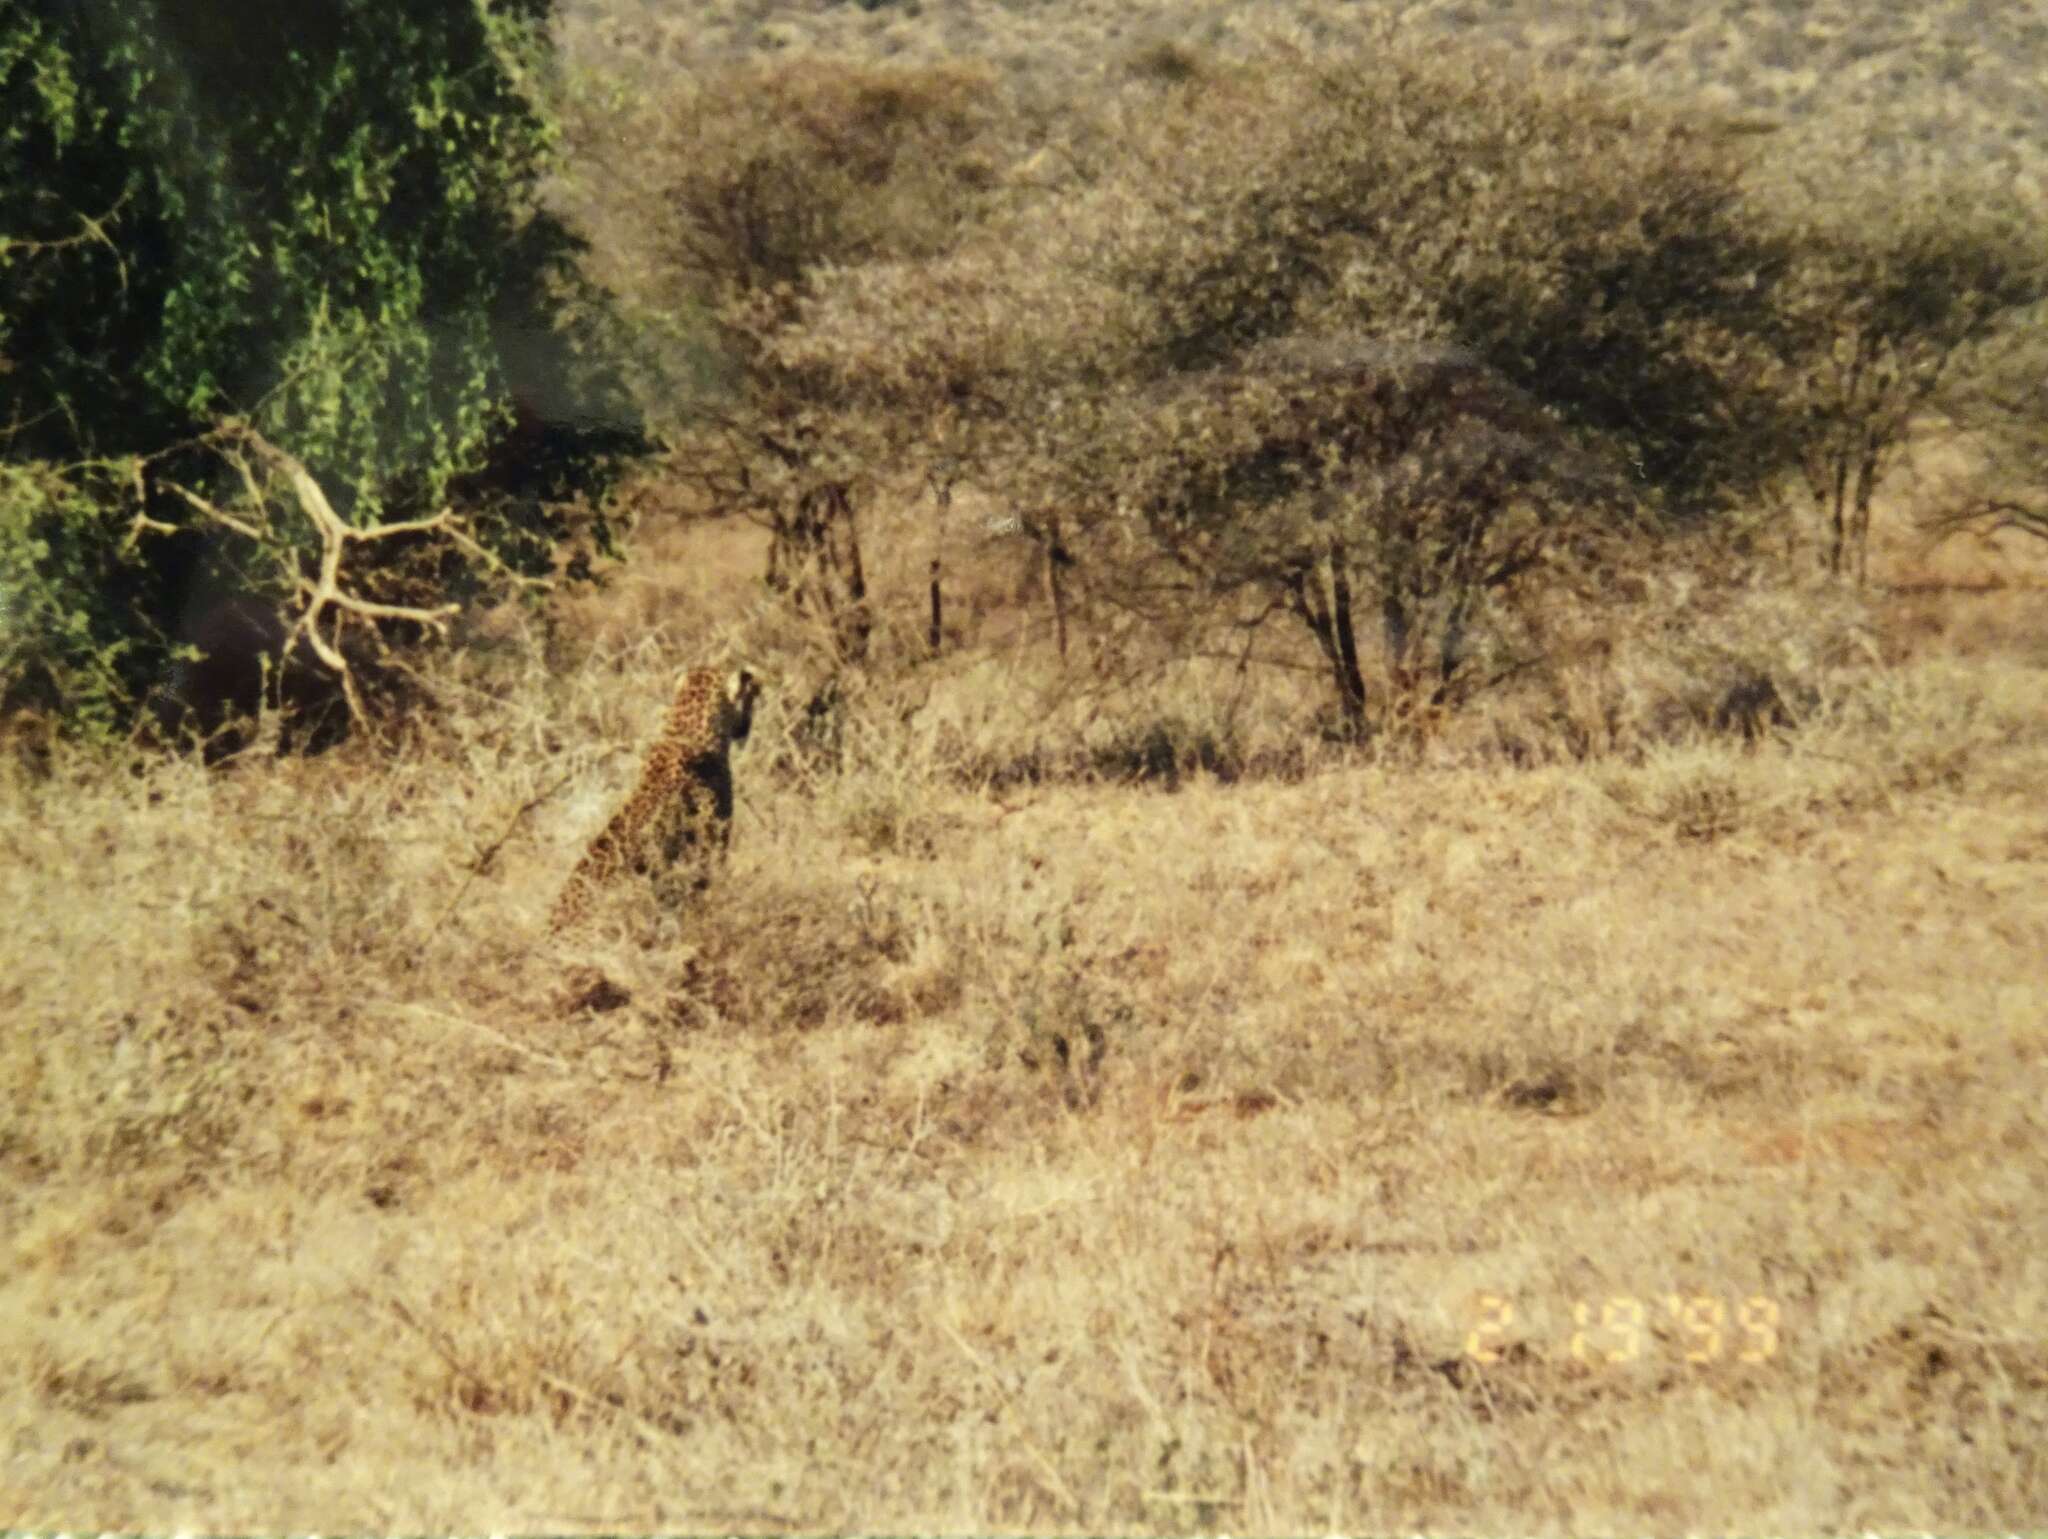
x,y
1070,1156
1010,1148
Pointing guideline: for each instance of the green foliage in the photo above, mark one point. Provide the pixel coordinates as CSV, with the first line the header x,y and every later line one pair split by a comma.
x,y
61,578
318,219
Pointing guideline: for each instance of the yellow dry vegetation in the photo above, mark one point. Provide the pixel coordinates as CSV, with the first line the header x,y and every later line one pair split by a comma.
x,y
1414,1141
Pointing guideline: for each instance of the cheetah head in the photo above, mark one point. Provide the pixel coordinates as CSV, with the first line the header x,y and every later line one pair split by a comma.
x,y
736,713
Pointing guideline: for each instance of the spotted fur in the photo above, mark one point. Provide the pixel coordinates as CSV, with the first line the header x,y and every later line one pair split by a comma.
x,y
675,827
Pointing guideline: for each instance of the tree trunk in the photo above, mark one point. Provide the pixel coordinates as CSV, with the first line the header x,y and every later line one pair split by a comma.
x,y
935,630
1350,680
853,623
815,560
1838,515
1055,592
1318,610
1866,487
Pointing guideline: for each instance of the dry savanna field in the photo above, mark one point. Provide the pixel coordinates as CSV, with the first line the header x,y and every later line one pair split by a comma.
x,y
1091,1099
1424,1142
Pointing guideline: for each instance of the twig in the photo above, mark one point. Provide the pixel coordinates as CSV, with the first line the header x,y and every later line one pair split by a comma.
x,y
442,1347
219,515
91,230
493,1033
335,537
322,594
656,1433
489,853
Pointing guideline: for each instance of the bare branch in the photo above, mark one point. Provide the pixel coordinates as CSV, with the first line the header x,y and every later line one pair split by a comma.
x,y
219,515
321,596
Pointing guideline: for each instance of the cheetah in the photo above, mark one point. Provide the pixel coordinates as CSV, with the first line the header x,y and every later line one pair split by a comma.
x,y
678,821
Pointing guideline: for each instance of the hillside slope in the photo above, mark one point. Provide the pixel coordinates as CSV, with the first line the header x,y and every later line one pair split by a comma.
x,y
1958,81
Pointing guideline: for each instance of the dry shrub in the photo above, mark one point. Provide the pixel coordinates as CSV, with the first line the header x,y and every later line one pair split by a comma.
x,y
998,726
712,205
1672,655
1374,343
765,956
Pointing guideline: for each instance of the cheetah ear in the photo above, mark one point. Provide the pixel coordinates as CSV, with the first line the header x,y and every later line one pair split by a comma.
x,y
740,684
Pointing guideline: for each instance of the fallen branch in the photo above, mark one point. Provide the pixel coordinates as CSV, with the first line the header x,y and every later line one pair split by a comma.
x,y
322,596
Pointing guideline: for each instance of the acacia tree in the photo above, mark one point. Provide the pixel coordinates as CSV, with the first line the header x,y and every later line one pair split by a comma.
x,y
1888,311
716,207
318,221
1375,344
2004,407
1361,487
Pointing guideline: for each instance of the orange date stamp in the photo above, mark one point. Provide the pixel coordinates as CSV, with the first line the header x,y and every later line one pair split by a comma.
x,y
1702,1328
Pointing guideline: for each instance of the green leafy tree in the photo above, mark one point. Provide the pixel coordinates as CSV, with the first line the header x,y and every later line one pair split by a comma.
x,y
317,220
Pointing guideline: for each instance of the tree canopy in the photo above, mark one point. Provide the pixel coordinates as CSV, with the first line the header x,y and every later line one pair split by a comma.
x,y
318,220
